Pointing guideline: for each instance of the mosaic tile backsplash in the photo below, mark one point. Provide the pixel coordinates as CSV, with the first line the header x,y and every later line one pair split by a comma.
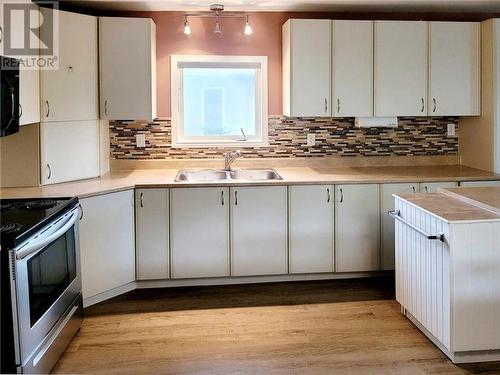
x,y
414,136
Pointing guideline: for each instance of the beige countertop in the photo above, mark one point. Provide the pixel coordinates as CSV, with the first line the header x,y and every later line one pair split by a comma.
x,y
460,204
123,180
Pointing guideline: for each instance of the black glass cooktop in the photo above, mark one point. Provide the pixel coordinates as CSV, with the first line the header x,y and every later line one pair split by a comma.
x,y
21,218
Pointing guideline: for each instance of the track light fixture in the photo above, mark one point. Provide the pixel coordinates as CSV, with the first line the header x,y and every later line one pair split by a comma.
x,y
216,11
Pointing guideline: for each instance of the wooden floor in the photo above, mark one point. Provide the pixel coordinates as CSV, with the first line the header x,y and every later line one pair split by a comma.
x,y
325,327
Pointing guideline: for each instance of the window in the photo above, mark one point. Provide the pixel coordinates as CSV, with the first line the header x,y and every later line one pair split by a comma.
x,y
219,101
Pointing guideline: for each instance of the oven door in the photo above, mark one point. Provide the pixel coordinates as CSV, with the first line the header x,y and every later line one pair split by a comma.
x,y
47,280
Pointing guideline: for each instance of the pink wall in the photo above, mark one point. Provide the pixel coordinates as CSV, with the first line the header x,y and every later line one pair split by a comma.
x,y
171,40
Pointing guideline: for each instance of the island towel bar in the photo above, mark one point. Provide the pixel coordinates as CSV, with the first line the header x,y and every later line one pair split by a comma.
x,y
396,214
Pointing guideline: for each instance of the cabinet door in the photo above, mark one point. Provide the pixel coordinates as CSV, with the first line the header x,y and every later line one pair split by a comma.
x,y
259,231
70,92
307,68
107,248
29,96
152,240
454,69
432,187
69,151
352,68
128,80
357,228
387,222
400,68
479,183
311,228
200,232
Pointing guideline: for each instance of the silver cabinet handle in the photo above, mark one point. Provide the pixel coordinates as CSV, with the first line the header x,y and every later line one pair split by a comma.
x,y
326,105
426,189
105,108
414,189
396,214
141,199
423,105
1,34
341,195
222,198
48,108
328,195
236,197
338,105
434,104
49,171
81,211
20,110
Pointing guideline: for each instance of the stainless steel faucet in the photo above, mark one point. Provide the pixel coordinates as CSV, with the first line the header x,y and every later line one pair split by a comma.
x,y
229,158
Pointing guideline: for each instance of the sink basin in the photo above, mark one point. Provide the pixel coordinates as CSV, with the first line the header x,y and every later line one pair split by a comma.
x,y
211,175
202,175
254,174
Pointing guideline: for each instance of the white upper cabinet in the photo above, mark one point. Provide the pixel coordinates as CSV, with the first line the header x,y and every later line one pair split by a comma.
x,y
352,68
70,92
259,231
127,51
200,232
454,69
307,49
152,234
400,68
311,228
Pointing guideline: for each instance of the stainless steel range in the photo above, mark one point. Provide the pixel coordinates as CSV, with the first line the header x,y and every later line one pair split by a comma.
x,y
41,301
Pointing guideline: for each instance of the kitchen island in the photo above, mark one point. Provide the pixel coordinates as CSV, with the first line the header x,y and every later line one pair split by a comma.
x,y
448,269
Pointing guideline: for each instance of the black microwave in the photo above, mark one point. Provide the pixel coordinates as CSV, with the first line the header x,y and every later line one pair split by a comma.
x,y
9,96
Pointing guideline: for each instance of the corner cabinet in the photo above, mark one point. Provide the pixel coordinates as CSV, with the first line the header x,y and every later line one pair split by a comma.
x,y
357,227
307,67
127,51
311,228
454,68
200,232
400,66
259,231
107,249
152,233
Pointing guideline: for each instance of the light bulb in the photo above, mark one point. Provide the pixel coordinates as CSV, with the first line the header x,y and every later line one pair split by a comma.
x,y
248,28
187,29
217,27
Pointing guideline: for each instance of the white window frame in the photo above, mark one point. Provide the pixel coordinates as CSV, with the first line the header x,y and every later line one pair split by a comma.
x,y
178,62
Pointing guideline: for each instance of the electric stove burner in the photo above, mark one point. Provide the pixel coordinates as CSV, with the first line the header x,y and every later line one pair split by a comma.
x,y
40,205
4,206
9,227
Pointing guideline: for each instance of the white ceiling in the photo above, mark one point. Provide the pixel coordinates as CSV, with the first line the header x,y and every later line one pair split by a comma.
x,y
469,6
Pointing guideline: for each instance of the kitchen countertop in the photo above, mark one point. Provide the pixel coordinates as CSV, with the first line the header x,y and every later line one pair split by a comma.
x,y
123,180
460,204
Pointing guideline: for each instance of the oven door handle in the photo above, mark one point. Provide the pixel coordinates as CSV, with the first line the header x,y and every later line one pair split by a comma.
x,y
59,231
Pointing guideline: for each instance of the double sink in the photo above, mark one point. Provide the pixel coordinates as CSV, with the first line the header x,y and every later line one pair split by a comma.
x,y
212,175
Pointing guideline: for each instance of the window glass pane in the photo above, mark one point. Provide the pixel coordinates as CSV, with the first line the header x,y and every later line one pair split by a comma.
x,y
219,101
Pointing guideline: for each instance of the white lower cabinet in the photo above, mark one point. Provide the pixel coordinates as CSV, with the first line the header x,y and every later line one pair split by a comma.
x,y
200,232
387,223
152,234
357,227
69,151
259,230
311,228
107,242
432,187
